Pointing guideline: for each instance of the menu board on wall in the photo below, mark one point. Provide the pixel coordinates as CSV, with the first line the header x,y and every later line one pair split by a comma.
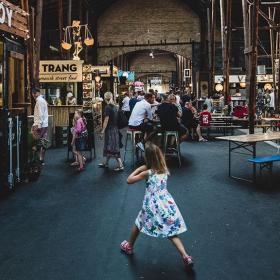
x,y
87,86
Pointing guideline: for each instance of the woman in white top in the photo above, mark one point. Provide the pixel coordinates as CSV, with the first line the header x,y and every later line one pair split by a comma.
x,y
71,100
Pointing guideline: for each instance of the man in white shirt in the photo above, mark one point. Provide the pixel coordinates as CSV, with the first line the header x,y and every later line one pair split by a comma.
x,y
40,125
141,117
272,102
125,105
178,98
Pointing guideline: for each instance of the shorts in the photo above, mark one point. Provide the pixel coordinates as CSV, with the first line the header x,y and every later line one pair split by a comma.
x,y
80,144
180,128
43,132
144,127
40,133
193,125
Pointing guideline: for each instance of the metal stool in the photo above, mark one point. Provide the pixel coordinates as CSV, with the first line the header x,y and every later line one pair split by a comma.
x,y
132,134
167,136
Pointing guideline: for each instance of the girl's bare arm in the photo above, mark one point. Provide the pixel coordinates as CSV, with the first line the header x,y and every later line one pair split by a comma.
x,y
139,174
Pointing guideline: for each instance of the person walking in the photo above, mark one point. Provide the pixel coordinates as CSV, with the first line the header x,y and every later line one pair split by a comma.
x,y
159,216
111,133
41,119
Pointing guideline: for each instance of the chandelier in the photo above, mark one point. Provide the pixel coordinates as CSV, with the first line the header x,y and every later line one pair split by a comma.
x,y
76,36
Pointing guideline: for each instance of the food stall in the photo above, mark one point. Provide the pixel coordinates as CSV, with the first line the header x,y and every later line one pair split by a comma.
x,y
13,95
55,75
82,80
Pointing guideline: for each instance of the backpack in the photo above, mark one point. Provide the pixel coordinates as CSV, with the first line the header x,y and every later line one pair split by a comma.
x,y
122,120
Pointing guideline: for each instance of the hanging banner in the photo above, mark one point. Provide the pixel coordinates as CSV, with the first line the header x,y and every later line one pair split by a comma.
x,y
276,71
104,71
61,71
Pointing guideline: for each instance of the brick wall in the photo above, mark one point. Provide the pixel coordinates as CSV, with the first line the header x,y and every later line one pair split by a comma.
x,y
162,63
153,20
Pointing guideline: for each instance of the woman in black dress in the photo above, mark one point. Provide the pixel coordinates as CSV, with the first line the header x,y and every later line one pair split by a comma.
x,y
111,133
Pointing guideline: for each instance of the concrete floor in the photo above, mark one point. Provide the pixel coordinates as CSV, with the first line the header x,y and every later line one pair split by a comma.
x,y
69,225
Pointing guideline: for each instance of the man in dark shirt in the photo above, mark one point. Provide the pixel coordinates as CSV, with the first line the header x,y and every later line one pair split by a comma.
x,y
189,120
168,114
133,101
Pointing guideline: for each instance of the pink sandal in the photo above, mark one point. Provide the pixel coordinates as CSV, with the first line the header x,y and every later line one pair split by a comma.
x,y
81,169
188,261
126,248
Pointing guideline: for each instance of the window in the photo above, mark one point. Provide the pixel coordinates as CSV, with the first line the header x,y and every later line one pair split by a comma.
x,y
16,80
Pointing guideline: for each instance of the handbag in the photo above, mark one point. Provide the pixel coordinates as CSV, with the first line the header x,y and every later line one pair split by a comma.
x,y
122,120
84,134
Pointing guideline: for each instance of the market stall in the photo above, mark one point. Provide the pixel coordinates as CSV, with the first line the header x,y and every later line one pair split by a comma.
x,y
77,79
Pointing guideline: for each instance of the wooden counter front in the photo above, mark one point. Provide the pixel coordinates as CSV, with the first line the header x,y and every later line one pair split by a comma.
x,y
61,114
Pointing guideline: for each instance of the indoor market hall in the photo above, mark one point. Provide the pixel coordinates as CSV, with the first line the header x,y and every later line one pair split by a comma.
x,y
139,139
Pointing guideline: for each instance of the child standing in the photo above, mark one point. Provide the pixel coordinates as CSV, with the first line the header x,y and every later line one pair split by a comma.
x,y
159,216
79,138
205,117
75,162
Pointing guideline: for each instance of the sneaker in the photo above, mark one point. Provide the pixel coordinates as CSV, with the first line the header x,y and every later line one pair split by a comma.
x,y
126,248
119,169
42,162
103,165
188,261
140,146
84,159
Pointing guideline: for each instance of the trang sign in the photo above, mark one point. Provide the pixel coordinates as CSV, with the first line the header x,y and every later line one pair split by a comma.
x,y
61,71
6,15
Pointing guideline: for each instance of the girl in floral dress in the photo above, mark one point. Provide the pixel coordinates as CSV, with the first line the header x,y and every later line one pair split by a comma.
x,y
159,216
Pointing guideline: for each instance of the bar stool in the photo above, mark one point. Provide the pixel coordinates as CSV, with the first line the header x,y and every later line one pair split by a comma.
x,y
168,135
132,134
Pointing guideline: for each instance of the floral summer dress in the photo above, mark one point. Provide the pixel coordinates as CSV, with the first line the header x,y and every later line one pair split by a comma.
x,y
159,216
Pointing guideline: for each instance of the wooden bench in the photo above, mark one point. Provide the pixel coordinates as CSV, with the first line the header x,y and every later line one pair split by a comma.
x,y
223,124
265,162
264,127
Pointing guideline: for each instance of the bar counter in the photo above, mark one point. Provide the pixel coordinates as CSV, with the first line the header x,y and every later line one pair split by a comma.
x,y
61,113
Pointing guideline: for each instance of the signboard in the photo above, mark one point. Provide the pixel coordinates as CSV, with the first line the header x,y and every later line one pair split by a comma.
x,y
242,78
61,71
187,73
104,71
129,75
155,81
13,19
